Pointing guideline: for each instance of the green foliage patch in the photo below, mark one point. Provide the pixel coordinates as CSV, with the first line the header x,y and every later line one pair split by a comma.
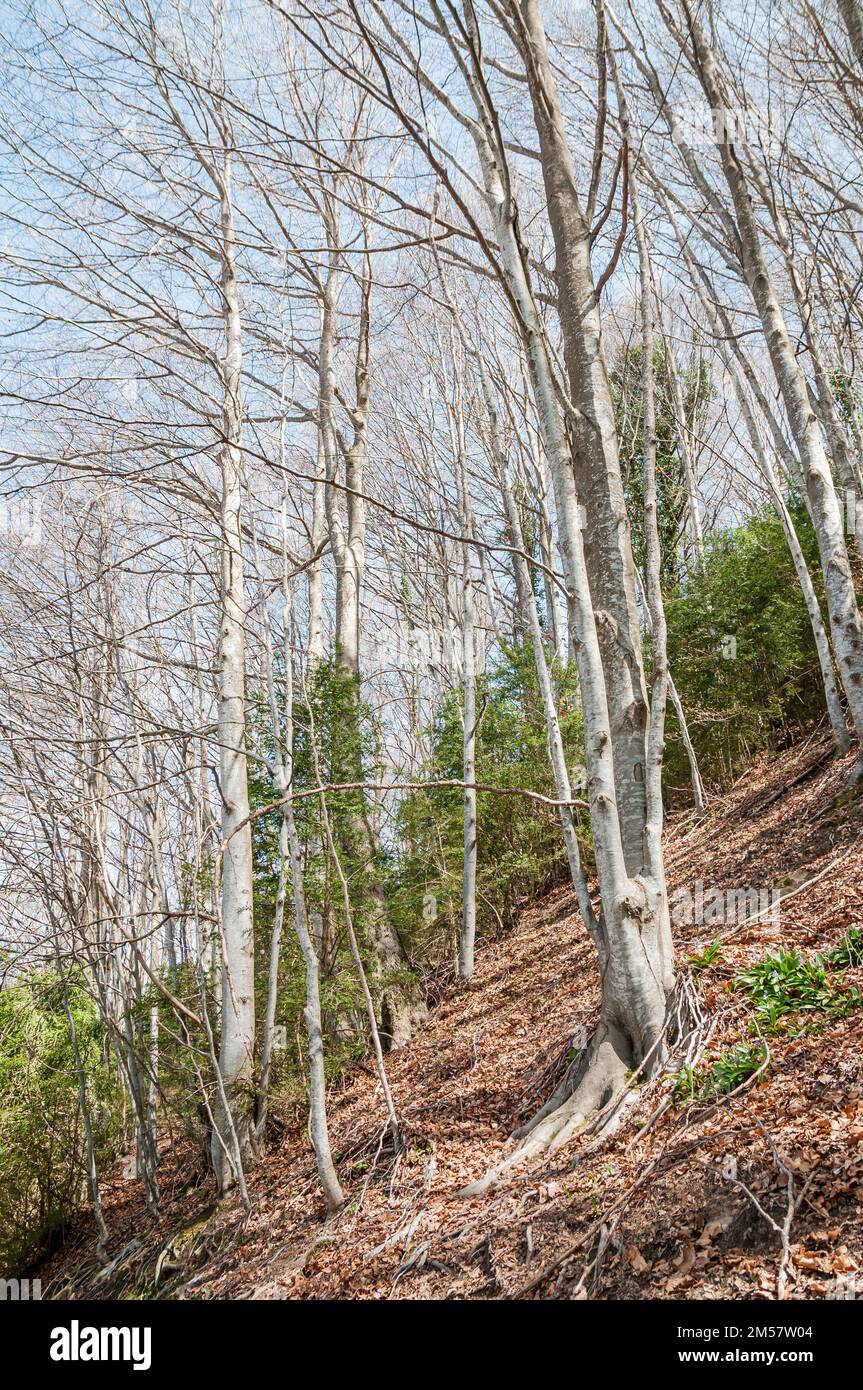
x,y
719,1077
789,992
43,1157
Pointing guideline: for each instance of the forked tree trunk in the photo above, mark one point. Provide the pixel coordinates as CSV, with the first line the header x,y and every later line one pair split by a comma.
x,y
639,977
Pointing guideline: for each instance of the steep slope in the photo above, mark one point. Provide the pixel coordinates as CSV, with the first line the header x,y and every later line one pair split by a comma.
x,y
751,1194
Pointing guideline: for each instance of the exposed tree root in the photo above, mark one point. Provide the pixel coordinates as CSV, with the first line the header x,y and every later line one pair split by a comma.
x,y
597,1089
582,1097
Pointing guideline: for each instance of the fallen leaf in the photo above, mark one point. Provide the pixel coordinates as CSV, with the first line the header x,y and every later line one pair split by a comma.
x,y
636,1259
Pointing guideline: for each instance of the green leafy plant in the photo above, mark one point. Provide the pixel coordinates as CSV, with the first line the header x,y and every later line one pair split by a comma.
x,y
723,1075
785,984
849,952
43,1157
711,955
768,689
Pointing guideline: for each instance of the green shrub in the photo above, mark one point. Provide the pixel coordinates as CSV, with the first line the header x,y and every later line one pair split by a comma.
x,y
770,689
43,1159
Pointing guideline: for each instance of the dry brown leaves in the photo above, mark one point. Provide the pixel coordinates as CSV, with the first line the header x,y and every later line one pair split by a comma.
x,y
698,1227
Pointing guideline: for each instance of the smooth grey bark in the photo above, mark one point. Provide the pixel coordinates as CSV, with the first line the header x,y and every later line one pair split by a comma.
x,y
592,429
639,977
315,635
699,799
467,930
273,974
232,1134
315,646
653,551
291,855
554,599
852,18
467,933
318,1126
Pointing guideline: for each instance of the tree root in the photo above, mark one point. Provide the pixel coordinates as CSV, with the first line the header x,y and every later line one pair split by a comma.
x,y
598,1088
582,1097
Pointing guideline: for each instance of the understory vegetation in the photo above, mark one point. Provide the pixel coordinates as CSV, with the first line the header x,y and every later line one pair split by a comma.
x,y
43,1155
741,650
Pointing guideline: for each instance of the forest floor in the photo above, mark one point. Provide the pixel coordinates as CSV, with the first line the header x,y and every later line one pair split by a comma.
x,y
754,1194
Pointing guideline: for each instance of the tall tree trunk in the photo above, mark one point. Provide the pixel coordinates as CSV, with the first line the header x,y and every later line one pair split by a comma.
x,y
268,1039
852,18
467,933
290,858
236,1054
593,431
639,976
698,797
